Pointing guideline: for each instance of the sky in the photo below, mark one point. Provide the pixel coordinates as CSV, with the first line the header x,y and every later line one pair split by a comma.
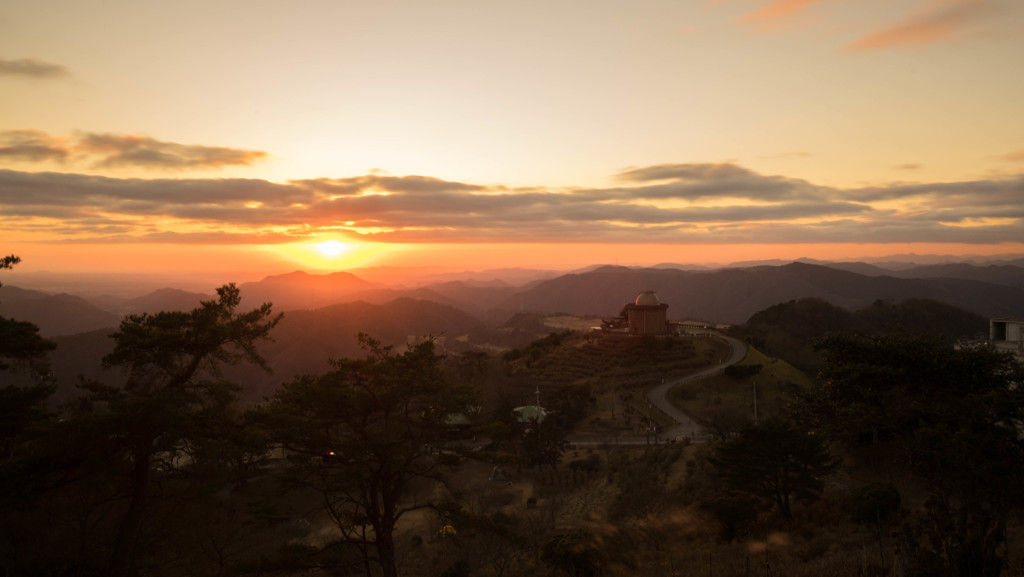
x,y
258,137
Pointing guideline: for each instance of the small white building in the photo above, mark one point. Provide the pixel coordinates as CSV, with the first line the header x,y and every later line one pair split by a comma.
x,y
1007,335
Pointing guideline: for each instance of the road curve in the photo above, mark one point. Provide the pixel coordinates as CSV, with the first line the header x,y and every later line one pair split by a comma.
x,y
685,426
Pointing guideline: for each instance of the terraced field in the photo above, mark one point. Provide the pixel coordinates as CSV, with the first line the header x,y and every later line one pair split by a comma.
x,y
619,362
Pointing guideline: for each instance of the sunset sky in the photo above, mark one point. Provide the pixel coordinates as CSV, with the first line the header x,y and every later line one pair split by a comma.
x,y
260,137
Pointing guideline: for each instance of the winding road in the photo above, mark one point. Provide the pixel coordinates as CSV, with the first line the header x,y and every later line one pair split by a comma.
x,y
685,427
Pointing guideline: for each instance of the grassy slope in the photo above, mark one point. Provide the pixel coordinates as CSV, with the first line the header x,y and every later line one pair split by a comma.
x,y
775,383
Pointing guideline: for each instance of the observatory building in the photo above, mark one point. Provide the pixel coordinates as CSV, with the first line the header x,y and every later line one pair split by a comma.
x,y
646,316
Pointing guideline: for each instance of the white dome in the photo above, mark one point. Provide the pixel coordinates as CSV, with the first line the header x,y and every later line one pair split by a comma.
x,y
647,299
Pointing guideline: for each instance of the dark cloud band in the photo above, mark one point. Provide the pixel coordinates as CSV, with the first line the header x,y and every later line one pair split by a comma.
x,y
120,150
713,203
31,68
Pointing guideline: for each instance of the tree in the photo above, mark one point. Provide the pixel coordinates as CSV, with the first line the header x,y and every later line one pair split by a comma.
x,y
573,553
876,505
20,341
953,416
361,434
775,460
22,408
173,391
24,421
543,442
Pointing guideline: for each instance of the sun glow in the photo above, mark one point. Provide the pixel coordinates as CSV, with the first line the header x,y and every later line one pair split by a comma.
x,y
332,248
329,254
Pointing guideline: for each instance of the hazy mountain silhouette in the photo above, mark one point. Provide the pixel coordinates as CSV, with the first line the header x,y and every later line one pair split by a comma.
x,y
303,341
729,295
54,314
464,315
995,274
166,299
733,295
301,290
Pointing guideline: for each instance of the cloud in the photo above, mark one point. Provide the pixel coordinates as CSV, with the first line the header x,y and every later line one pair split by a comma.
x,y
1015,156
701,181
712,203
32,146
777,11
360,184
930,24
120,150
31,68
116,150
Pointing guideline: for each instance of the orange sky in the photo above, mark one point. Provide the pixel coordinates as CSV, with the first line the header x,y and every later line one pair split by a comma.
x,y
210,265
235,137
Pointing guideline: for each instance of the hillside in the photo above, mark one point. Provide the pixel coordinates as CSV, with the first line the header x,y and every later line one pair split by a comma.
x,y
660,508
789,330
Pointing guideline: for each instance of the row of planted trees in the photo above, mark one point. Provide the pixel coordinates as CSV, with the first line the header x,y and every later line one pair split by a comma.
x,y
164,473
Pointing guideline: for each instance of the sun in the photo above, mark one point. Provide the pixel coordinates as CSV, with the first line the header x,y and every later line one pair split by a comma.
x,y
332,248
329,254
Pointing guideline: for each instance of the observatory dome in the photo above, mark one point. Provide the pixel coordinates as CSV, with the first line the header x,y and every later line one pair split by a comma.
x,y
647,299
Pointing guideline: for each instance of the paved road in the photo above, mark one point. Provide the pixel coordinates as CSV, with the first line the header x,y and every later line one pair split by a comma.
x,y
685,426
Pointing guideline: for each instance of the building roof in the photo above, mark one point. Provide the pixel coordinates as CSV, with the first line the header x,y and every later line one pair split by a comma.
x,y
530,413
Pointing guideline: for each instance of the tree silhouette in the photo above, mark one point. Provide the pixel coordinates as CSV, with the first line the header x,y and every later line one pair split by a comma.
x,y
22,408
775,460
361,434
24,422
954,416
174,390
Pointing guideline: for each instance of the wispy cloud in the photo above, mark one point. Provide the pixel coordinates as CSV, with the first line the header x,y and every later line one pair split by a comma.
x,y
32,146
713,203
31,68
1015,156
933,22
776,12
118,150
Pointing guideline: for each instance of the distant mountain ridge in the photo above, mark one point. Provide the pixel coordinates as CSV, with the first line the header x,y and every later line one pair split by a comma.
x,y
302,343
728,295
301,290
733,295
323,313
59,314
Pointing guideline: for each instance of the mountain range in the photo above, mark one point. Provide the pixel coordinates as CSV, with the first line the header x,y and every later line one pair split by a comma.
x,y
729,295
324,313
